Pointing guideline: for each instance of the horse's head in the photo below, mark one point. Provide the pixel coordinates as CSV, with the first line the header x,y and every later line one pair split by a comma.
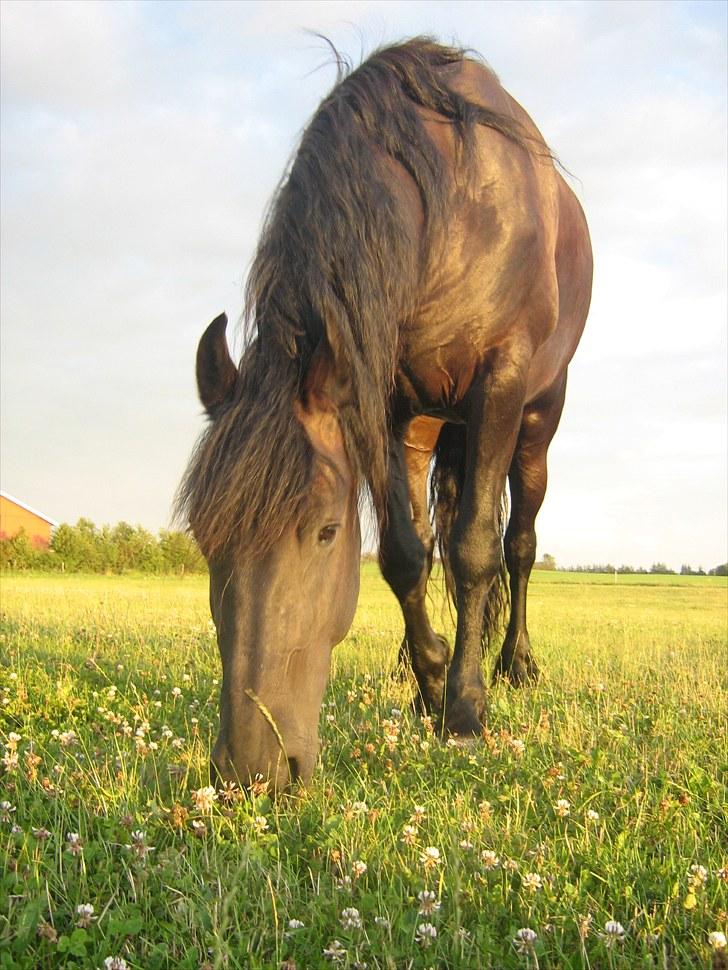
x,y
279,613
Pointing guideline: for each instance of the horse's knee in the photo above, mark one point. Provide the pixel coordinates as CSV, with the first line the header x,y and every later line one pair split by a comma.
x,y
476,556
520,549
402,559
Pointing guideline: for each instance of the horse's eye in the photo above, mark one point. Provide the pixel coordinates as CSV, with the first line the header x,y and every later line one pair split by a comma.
x,y
327,535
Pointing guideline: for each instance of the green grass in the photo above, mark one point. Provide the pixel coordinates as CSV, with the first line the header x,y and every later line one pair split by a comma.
x,y
629,721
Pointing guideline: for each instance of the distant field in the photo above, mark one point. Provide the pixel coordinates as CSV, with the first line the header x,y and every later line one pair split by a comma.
x,y
598,796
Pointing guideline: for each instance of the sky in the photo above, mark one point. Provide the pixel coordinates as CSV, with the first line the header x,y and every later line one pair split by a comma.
x,y
142,141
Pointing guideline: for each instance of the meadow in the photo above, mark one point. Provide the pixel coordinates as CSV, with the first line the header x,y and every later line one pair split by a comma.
x,y
587,829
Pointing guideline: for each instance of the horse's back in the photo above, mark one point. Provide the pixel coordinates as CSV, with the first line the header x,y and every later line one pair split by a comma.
x,y
515,264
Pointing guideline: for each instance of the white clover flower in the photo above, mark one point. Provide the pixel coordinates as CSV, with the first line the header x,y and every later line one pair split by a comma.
x,y
517,746
176,692
562,807
68,738
525,939
698,876
295,924
409,834
204,798
115,963
358,868
532,881
382,922
426,934
717,940
613,932
85,914
335,952
429,903
74,843
430,858
260,823
359,808
489,859
592,815
14,737
350,919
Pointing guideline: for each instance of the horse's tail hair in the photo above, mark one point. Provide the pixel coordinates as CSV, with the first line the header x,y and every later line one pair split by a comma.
x,y
446,488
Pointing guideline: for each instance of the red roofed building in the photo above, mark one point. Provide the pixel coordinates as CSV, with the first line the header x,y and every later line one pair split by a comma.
x,y
16,516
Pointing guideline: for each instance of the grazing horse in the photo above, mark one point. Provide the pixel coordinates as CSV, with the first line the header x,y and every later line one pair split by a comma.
x,y
419,289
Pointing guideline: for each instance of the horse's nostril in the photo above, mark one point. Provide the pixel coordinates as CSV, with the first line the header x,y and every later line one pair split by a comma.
x,y
293,771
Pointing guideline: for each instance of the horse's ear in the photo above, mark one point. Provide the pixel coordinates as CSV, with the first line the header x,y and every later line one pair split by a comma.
x,y
216,373
317,408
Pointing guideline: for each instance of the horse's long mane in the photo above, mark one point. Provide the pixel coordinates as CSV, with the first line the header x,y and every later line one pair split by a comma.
x,y
335,264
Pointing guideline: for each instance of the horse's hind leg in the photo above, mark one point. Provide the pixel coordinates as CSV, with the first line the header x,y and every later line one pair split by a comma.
x,y
405,556
527,478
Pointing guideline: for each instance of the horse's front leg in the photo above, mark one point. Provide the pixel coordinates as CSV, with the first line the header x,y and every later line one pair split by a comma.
x,y
494,411
405,555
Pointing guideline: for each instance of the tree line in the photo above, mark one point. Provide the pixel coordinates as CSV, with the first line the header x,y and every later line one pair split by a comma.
x,y
120,548
124,548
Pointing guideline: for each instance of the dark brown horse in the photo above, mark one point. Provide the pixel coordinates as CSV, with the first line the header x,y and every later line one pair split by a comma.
x,y
419,289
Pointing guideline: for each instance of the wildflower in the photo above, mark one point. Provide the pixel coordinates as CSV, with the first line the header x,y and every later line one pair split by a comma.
x,y
359,808
350,919
204,798
562,807
698,876
68,738
517,746
489,859
429,903
176,692
198,827
426,934
41,834
585,923
532,881
6,810
592,815
15,830
722,873
259,785
358,868
47,932
717,940
167,733
10,759
335,952
85,915
430,858
511,865
295,924
330,718
524,940
260,823
382,922
465,845
115,963
613,932
418,815
74,843
14,738
485,810
138,844
409,834
230,793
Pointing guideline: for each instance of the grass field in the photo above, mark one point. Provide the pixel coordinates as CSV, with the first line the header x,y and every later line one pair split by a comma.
x,y
595,803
